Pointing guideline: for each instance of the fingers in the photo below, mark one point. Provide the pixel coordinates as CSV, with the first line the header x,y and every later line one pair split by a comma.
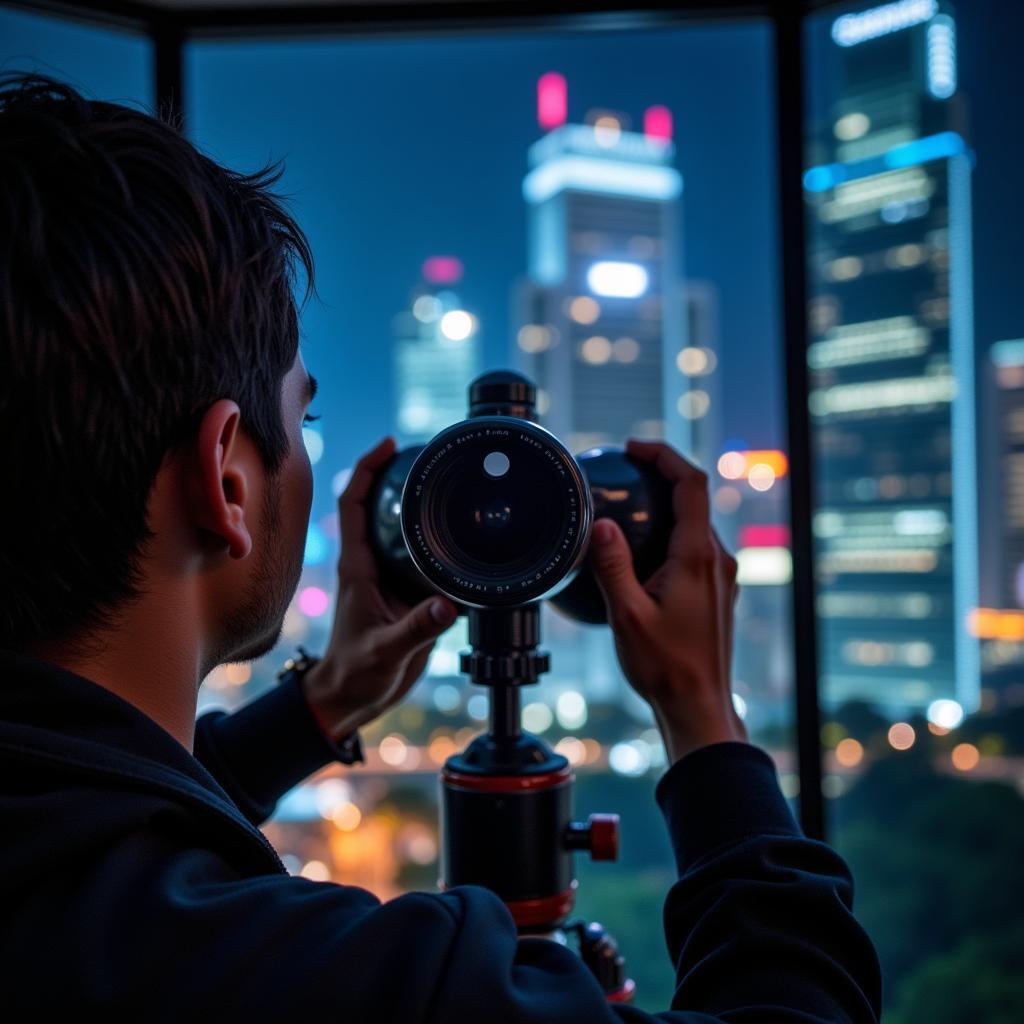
x,y
355,553
689,542
610,557
726,562
423,624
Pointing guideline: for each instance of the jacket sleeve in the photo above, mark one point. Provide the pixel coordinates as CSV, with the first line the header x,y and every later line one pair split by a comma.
x,y
758,926
264,749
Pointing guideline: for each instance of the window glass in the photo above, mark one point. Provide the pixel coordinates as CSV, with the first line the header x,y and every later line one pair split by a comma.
x,y
916,367
459,194
103,63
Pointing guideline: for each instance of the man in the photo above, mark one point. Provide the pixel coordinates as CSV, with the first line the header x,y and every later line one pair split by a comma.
x,y
152,397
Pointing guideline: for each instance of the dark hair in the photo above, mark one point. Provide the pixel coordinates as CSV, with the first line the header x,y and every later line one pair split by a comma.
x,y
140,282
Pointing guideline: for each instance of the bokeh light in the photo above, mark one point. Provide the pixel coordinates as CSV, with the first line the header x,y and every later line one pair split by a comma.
x,y
584,310
317,547
314,443
732,465
457,324
626,349
314,601
572,749
901,736
393,750
346,816
571,709
537,717
630,758
946,713
596,350
237,674
476,707
965,756
849,752
316,871
441,748
761,476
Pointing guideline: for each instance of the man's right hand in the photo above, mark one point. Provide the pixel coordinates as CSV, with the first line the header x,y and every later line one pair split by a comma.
x,y
673,633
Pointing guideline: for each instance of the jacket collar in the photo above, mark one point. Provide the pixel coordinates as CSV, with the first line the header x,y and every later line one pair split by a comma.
x,y
48,713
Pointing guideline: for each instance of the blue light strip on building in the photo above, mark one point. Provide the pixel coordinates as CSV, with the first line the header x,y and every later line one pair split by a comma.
x,y
964,453
920,151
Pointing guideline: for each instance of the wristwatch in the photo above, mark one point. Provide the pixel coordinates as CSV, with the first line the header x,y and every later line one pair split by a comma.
x,y
349,749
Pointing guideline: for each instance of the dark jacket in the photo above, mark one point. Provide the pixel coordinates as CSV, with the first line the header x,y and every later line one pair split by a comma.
x,y
135,879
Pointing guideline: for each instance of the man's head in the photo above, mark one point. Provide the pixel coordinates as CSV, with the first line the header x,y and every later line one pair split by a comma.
x,y
151,390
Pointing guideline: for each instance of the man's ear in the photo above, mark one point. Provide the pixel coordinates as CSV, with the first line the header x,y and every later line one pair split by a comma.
x,y
220,488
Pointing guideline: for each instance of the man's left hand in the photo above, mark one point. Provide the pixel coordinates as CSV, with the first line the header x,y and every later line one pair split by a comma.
x,y
379,646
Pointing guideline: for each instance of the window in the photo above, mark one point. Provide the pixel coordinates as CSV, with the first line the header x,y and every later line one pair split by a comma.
x,y
594,207
914,368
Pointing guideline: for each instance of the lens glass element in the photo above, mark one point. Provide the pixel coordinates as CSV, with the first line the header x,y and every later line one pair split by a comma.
x,y
495,507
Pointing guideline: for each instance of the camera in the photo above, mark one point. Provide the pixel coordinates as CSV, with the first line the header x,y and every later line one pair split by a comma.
x,y
496,512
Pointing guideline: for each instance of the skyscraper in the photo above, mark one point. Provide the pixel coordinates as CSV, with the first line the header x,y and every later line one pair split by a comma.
x,y
603,311
603,320
891,361
436,354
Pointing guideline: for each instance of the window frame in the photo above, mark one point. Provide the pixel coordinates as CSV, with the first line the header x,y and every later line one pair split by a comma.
x,y
170,29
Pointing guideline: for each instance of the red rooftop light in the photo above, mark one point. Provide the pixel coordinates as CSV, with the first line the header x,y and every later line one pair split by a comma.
x,y
442,270
552,100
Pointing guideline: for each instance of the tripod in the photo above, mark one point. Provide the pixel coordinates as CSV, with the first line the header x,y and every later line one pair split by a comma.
x,y
506,809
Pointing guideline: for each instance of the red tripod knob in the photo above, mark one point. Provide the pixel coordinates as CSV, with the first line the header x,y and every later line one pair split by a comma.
x,y
604,836
600,835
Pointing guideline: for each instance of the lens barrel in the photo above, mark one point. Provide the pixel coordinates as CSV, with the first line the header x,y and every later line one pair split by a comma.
x,y
496,512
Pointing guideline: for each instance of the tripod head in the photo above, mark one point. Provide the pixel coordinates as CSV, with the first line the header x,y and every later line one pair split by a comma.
x,y
495,513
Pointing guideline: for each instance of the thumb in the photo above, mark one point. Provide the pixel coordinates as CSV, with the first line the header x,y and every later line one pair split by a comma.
x,y
420,625
612,562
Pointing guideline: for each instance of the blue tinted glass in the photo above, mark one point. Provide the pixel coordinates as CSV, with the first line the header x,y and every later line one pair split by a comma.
x,y
633,278
102,63
917,392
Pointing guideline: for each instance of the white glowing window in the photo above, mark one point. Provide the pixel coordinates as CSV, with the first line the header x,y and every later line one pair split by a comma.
x,y
617,280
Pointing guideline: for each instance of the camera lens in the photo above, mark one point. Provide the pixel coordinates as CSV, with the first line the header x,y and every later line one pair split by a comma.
x,y
496,511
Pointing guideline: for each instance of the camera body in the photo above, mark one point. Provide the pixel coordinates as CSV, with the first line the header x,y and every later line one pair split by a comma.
x,y
495,512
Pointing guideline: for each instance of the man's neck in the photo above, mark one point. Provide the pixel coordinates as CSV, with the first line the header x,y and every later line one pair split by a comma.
x,y
152,664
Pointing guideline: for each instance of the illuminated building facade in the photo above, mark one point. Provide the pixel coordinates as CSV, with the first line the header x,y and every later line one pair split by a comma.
x,y
1008,365
751,510
891,359
436,354
699,401
1000,625
603,320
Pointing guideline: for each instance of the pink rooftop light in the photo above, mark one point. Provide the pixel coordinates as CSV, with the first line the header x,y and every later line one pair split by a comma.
x,y
552,100
766,536
442,270
658,123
